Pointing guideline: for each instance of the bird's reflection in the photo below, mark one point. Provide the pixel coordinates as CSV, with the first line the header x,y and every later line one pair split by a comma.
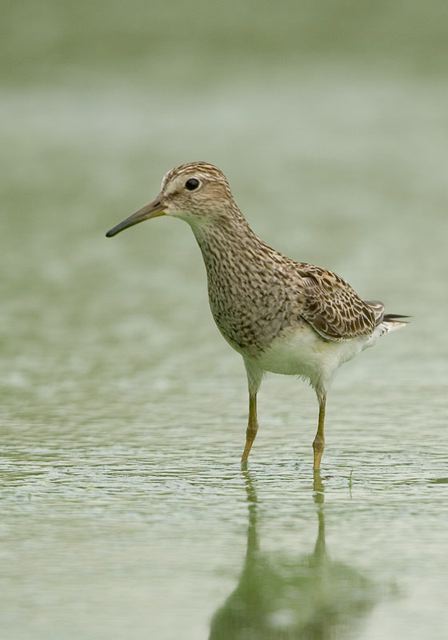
x,y
309,598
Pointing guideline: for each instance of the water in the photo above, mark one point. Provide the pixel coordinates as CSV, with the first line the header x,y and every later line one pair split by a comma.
x,y
124,511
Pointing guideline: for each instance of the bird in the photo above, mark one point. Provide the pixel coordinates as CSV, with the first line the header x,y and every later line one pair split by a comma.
x,y
280,315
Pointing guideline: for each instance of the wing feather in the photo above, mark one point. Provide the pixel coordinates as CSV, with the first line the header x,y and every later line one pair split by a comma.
x,y
333,308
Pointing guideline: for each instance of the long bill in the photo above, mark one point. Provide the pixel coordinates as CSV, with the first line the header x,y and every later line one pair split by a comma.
x,y
152,210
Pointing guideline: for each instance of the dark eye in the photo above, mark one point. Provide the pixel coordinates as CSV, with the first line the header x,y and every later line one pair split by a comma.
x,y
192,184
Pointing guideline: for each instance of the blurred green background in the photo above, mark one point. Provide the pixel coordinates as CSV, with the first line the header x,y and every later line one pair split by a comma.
x,y
122,410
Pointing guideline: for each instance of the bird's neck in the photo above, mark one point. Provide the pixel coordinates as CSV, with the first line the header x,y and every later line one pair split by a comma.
x,y
243,279
228,243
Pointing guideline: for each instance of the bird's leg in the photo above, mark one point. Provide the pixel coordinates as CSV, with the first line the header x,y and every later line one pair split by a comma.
x,y
254,377
252,427
319,440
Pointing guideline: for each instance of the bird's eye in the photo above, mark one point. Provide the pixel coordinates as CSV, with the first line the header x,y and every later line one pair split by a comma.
x,y
192,184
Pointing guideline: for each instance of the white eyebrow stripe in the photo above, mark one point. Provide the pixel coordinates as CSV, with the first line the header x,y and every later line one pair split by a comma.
x,y
170,185
174,180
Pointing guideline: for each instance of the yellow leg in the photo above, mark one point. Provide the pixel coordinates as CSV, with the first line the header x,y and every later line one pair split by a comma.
x,y
319,440
252,427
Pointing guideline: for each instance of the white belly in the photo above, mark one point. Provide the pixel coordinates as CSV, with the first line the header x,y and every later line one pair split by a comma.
x,y
303,352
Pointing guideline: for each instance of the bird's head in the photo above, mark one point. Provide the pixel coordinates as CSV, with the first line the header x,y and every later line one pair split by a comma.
x,y
197,192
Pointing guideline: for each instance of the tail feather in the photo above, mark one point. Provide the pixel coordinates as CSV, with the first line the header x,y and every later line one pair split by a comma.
x,y
395,317
392,322
392,318
389,322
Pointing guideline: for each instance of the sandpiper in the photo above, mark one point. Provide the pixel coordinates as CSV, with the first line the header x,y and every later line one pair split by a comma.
x,y
282,316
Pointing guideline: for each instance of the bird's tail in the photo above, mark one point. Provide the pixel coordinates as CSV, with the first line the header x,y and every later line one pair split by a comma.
x,y
394,321
386,322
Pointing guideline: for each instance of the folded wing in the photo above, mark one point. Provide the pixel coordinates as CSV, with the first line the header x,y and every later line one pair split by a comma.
x,y
333,308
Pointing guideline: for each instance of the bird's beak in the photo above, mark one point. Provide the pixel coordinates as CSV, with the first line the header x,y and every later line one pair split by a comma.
x,y
152,210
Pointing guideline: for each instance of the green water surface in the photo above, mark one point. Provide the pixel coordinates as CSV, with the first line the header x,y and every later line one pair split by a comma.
x,y
124,512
